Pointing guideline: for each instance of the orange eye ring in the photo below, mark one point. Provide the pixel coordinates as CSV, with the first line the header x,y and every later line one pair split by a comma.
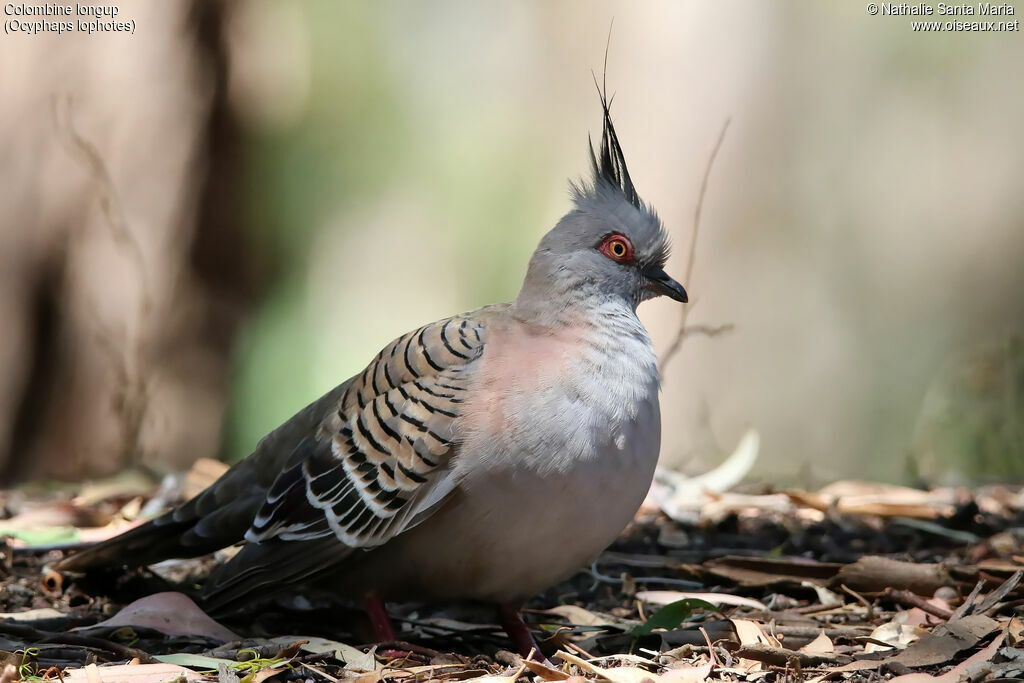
x,y
618,248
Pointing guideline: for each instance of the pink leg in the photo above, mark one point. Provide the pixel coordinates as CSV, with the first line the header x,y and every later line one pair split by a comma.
x,y
383,631
508,616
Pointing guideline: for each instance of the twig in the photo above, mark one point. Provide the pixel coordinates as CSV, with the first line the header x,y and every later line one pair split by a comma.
x,y
991,602
318,672
861,599
967,606
663,580
706,330
780,656
911,599
677,343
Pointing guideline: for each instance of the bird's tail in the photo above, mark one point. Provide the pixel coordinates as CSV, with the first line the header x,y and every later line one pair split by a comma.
x,y
149,543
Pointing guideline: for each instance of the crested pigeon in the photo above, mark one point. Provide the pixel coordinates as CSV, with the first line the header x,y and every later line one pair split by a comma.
x,y
486,456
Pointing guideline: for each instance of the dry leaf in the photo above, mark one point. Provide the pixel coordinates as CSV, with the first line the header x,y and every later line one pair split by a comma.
x,y
173,614
750,633
1015,631
677,494
686,674
896,636
30,614
959,672
511,678
579,616
133,673
544,671
946,641
354,658
822,645
826,597
668,597
887,500
619,674
204,472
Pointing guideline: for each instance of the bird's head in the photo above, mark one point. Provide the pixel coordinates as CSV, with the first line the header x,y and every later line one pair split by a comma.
x,y
610,246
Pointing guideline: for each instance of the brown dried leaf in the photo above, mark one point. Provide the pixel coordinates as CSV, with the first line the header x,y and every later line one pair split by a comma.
x,y
171,613
942,644
959,672
750,633
822,645
579,616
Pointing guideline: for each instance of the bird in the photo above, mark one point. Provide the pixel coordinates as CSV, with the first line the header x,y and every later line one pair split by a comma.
x,y
482,457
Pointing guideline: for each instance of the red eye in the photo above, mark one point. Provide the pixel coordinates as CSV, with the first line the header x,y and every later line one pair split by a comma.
x,y
617,248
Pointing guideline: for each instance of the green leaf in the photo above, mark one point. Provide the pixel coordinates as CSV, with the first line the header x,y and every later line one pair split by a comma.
x,y
671,615
31,537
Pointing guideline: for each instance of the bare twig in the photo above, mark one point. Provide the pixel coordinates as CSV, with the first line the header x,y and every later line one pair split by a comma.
x,y
681,334
911,599
991,602
705,330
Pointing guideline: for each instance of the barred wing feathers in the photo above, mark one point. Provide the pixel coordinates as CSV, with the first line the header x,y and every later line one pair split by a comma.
x,y
378,457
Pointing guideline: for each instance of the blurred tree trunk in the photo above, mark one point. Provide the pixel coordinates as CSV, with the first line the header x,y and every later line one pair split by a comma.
x,y
124,270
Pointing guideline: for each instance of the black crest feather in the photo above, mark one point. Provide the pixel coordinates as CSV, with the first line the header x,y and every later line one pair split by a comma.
x,y
610,164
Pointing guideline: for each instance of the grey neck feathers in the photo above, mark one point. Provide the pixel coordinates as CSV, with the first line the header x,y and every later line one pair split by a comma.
x,y
554,293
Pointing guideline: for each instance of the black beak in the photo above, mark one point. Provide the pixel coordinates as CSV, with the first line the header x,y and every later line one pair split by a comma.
x,y
659,282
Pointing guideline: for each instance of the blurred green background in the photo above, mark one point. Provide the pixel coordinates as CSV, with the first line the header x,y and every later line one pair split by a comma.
x,y
396,162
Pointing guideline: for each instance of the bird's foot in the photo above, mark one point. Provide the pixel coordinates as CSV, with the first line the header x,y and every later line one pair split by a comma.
x,y
383,630
518,633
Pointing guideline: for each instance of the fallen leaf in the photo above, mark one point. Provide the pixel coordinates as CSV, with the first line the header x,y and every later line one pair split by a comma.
x,y
127,484
686,674
354,658
34,537
822,645
619,674
1015,629
135,673
171,613
544,671
31,614
670,616
759,572
853,497
666,597
826,597
946,641
676,494
575,614
895,636
203,472
959,672
750,633
511,678
203,662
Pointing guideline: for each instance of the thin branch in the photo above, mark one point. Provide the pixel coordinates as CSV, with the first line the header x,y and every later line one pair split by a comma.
x,y
707,330
681,334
